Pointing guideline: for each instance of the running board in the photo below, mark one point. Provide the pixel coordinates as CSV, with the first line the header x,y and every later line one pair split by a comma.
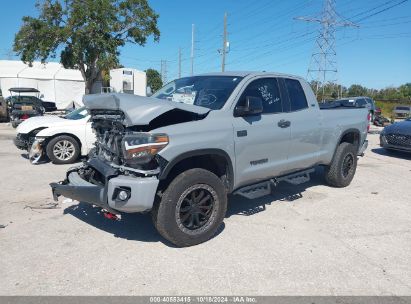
x,y
255,191
264,188
296,178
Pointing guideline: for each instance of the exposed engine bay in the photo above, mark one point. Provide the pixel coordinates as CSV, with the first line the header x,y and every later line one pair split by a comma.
x,y
133,149
111,135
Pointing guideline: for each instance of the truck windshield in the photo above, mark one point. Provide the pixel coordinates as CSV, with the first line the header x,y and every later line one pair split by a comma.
x,y
210,92
77,114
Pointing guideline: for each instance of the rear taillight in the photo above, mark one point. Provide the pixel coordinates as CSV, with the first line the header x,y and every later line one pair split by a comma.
x,y
24,116
369,121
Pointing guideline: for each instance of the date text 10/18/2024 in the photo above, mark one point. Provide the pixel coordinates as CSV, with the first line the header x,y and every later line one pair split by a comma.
x,y
203,299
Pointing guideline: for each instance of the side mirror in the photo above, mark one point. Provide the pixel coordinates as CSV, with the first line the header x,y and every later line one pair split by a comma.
x,y
253,106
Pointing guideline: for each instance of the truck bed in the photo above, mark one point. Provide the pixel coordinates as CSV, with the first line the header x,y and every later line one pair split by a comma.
x,y
337,105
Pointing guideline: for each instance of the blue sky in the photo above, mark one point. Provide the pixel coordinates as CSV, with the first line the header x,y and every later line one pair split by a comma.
x,y
264,36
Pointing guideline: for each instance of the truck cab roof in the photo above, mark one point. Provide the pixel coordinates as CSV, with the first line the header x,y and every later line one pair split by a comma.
x,y
250,74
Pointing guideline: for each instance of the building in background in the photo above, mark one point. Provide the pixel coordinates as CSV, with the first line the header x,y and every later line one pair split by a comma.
x,y
130,81
63,86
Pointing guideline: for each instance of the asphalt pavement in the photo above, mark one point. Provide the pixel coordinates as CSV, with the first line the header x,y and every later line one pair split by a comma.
x,y
302,240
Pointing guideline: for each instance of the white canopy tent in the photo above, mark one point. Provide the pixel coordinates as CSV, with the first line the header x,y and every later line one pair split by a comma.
x,y
55,83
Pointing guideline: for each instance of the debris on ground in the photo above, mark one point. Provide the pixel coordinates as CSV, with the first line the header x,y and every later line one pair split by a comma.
x,y
111,216
67,201
44,206
3,226
381,121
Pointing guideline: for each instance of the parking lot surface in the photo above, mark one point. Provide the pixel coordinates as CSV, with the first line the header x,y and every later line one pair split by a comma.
x,y
302,240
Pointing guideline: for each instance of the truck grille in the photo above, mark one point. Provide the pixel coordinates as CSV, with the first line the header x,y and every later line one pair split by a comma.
x,y
398,140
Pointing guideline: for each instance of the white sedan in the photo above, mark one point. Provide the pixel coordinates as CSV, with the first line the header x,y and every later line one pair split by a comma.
x,y
62,139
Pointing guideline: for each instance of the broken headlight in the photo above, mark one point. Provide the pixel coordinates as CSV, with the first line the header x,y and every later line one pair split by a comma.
x,y
140,148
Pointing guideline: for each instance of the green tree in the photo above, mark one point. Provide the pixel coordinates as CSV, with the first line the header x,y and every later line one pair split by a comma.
x,y
357,90
154,80
87,33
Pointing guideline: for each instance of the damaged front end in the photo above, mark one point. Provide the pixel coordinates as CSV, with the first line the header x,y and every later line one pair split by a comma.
x,y
122,172
98,183
35,146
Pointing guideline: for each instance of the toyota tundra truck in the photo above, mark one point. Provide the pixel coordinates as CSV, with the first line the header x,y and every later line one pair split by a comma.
x,y
180,152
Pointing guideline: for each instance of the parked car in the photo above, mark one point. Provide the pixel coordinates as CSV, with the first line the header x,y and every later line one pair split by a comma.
x,y
362,101
21,108
61,139
397,136
49,106
402,111
180,152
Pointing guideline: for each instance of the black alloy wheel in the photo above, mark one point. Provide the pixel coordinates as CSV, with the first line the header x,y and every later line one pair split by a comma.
x,y
195,207
348,165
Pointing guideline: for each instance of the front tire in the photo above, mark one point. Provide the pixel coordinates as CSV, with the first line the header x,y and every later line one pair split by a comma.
x,y
191,208
63,149
343,166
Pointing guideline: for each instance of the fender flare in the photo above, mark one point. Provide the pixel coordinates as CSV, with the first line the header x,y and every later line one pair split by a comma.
x,y
351,130
201,152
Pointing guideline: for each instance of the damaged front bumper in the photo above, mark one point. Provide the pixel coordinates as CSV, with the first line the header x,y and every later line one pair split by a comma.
x,y
140,191
21,141
32,145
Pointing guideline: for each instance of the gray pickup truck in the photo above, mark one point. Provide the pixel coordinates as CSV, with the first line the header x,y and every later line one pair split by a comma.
x,y
180,152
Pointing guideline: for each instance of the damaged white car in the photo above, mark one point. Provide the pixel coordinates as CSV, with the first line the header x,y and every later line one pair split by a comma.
x,y
62,139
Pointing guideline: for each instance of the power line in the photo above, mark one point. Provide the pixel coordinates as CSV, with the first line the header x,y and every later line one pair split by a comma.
x,y
381,11
283,43
284,48
368,10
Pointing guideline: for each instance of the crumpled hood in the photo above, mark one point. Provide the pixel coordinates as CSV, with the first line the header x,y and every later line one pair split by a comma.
x,y
36,122
403,127
138,110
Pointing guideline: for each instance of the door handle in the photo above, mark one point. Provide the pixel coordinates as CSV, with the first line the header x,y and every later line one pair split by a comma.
x,y
284,123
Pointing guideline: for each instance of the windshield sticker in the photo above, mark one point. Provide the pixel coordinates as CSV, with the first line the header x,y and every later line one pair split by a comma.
x,y
187,98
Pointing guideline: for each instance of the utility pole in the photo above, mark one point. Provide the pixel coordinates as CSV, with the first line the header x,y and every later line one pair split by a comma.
x,y
192,49
9,54
224,49
164,71
179,62
323,64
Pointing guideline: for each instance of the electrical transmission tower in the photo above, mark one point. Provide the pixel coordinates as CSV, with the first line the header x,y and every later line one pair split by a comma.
x,y
323,64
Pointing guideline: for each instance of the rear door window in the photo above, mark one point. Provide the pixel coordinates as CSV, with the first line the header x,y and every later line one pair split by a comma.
x,y
298,100
361,102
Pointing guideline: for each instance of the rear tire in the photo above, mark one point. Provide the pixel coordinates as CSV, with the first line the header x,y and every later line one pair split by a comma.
x,y
191,209
63,149
14,124
341,171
